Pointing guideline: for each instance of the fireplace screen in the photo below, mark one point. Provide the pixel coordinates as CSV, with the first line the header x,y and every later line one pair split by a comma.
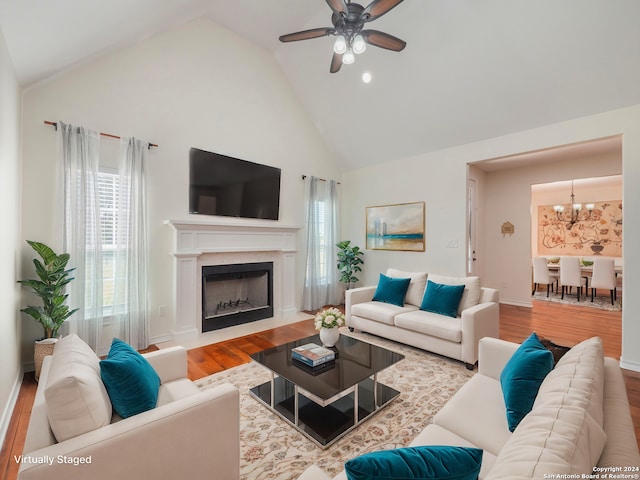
x,y
236,294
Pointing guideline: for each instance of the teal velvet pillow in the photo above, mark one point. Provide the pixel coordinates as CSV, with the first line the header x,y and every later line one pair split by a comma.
x,y
442,299
131,382
521,378
441,462
391,290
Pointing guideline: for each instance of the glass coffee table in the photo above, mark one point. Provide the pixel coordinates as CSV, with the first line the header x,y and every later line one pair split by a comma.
x,y
326,402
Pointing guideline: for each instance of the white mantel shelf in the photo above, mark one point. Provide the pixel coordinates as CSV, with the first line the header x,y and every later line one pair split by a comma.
x,y
198,237
200,242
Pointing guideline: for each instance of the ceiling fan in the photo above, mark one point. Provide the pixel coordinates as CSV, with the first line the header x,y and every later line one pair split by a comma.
x,y
348,21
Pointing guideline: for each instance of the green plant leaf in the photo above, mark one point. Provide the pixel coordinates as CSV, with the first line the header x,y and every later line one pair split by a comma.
x,y
35,312
45,252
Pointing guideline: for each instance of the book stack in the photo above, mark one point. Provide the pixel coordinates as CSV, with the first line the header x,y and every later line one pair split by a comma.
x,y
312,355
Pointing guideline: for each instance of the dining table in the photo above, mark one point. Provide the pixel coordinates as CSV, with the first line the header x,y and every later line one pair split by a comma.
x,y
555,267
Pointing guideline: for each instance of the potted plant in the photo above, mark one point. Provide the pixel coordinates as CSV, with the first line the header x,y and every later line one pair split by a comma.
x,y
53,277
349,262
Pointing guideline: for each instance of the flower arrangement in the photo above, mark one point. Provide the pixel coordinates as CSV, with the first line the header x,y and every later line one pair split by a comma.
x,y
329,318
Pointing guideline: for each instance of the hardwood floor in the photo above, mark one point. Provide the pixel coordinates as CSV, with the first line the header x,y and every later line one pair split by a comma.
x,y
563,324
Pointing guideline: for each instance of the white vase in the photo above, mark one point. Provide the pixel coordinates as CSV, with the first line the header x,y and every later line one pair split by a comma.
x,y
329,336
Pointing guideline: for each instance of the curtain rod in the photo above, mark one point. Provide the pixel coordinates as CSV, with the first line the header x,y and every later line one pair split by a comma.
x,y
321,179
55,124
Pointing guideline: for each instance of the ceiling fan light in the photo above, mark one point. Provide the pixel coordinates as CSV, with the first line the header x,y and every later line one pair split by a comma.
x,y
348,58
340,45
359,45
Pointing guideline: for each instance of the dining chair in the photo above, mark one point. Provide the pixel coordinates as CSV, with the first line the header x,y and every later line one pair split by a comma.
x,y
571,275
542,275
604,276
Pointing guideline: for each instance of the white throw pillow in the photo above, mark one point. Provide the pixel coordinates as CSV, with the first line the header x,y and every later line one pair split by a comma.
x,y
77,401
418,283
471,294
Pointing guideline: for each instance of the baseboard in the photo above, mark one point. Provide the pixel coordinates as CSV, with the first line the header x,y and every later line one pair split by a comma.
x,y
517,304
629,365
160,339
29,366
8,409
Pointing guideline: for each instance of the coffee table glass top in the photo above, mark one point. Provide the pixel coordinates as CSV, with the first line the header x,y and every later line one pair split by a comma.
x,y
325,403
355,361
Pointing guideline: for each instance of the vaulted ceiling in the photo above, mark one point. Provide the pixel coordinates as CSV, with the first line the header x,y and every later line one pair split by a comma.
x,y
472,69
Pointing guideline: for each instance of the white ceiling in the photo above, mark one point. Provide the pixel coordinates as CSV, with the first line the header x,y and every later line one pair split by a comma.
x,y
472,69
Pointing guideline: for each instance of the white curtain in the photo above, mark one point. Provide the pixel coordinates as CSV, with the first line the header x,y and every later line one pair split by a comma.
x,y
86,229
79,152
130,265
321,283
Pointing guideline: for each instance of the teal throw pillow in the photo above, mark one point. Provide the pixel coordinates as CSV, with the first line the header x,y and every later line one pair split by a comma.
x,y
391,290
442,299
521,378
131,382
441,462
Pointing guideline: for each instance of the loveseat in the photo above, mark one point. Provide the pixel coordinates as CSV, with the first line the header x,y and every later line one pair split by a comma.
x,y
477,316
580,423
74,433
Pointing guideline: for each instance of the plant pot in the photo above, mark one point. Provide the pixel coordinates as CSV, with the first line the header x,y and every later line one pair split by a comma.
x,y
329,336
42,348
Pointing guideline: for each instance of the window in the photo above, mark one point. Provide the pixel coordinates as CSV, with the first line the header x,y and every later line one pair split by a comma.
x,y
111,235
108,186
321,246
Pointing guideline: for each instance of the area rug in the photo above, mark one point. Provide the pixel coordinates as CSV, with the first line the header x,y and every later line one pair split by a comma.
x,y
271,449
602,302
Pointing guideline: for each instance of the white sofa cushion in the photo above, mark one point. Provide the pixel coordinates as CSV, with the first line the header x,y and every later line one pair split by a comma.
x,y
176,390
433,324
471,294
77,401
578,380
477,413
380,311
418,283
551,439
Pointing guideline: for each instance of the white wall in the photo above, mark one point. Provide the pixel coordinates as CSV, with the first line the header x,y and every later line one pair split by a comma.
x,y
439,178
181,89
10,321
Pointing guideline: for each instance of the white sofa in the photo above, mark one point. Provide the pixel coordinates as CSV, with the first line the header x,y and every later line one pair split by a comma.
x,y
191,432
478,316
580,422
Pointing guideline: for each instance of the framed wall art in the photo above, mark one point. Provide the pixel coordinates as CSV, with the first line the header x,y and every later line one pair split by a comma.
x,y
594,231
396,227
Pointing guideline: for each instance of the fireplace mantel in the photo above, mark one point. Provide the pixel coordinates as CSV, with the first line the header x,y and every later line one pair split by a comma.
x,y
198,237
197,243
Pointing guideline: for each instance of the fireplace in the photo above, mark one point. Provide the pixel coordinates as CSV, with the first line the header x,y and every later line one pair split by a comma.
x,y
236,294
198,243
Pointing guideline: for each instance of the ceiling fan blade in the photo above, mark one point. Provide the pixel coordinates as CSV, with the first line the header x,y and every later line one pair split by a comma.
x,y
383,40
307,34
338,6
377,8
336,62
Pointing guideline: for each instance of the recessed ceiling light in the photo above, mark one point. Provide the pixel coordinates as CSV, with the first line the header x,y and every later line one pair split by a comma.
x,y
366,77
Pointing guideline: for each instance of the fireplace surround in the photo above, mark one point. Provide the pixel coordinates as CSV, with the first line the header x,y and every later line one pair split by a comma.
x,y
197,244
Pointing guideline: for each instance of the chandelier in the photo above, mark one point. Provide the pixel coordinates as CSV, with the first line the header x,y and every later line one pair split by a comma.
x,y
572,217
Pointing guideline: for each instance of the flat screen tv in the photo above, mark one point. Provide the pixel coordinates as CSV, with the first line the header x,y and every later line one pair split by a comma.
x,y
231,187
